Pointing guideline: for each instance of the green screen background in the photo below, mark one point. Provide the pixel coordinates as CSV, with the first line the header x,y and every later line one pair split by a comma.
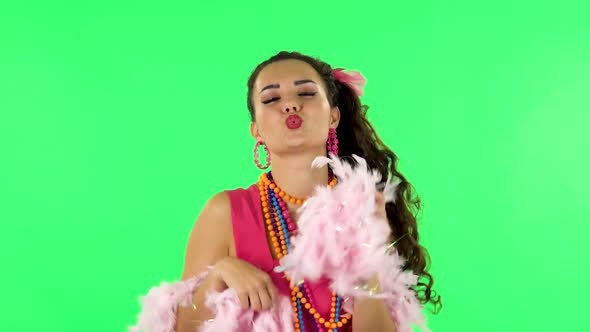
x,y
118,120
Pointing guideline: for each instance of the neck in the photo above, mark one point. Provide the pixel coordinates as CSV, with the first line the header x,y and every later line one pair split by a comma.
x,y
295,176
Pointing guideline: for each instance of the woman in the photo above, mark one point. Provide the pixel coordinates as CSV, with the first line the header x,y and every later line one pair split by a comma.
x,y
300,109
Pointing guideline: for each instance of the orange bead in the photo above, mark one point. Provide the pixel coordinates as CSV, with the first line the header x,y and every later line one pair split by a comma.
x,y
278,238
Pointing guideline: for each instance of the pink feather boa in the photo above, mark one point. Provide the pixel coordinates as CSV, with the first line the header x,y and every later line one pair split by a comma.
x,y
159,310
339,236
159,305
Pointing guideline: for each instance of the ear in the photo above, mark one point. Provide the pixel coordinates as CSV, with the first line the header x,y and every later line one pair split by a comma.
x,y
255,132
334,117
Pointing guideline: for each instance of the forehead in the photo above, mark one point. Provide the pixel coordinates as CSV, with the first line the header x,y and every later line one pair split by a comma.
x,y
285,72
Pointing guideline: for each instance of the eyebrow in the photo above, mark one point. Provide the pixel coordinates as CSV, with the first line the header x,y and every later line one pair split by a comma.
x,y
276,86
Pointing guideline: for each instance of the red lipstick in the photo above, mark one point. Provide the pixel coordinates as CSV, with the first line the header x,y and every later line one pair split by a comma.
x,y
293,121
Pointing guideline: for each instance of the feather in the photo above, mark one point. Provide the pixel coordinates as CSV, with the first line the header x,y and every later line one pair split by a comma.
x,y
159,306
230,317
340,236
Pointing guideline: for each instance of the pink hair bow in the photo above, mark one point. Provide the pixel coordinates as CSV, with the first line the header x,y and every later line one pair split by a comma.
x,y
352,78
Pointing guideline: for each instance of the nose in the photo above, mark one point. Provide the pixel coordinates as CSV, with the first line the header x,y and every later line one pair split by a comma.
x,y
291,106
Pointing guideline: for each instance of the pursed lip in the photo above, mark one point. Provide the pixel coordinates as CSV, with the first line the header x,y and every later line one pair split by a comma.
x,y
293,121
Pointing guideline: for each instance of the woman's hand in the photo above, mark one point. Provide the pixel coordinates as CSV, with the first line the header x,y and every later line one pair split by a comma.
x,y
254,287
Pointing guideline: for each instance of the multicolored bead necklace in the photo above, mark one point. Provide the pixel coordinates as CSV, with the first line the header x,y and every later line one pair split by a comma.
x,y
280,226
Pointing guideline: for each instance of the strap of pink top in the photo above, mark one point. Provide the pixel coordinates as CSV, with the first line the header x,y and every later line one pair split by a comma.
x,y
250,233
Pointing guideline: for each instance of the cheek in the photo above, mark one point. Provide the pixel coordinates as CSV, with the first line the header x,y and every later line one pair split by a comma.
x,y
323,109
266,119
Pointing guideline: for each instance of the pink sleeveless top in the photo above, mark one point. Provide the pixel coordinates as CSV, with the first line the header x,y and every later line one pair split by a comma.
x,y
252,246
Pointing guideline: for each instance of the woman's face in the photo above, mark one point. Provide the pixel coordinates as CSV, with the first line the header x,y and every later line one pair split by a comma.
x,y
291,108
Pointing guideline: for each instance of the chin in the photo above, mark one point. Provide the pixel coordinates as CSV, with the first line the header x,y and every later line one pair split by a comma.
x,y
295,143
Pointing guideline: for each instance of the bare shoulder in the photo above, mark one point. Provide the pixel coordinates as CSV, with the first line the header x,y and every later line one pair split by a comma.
x,y
211,236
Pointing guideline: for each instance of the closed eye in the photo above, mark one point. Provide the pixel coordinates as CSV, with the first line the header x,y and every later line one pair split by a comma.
x,y
268,101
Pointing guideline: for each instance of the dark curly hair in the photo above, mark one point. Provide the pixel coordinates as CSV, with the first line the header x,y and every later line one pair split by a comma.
x,y
361,139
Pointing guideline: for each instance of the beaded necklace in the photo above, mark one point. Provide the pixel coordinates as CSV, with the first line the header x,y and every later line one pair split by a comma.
x,y
280,226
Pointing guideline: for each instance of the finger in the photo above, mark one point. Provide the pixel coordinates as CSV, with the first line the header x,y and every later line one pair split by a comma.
x,y
244,300
265,299
271,288
255,303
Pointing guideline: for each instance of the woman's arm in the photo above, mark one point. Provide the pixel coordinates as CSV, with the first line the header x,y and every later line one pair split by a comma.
x,y
372,314
208,243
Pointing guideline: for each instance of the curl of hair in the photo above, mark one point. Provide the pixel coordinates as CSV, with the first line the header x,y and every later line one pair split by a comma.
x,y
362,140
